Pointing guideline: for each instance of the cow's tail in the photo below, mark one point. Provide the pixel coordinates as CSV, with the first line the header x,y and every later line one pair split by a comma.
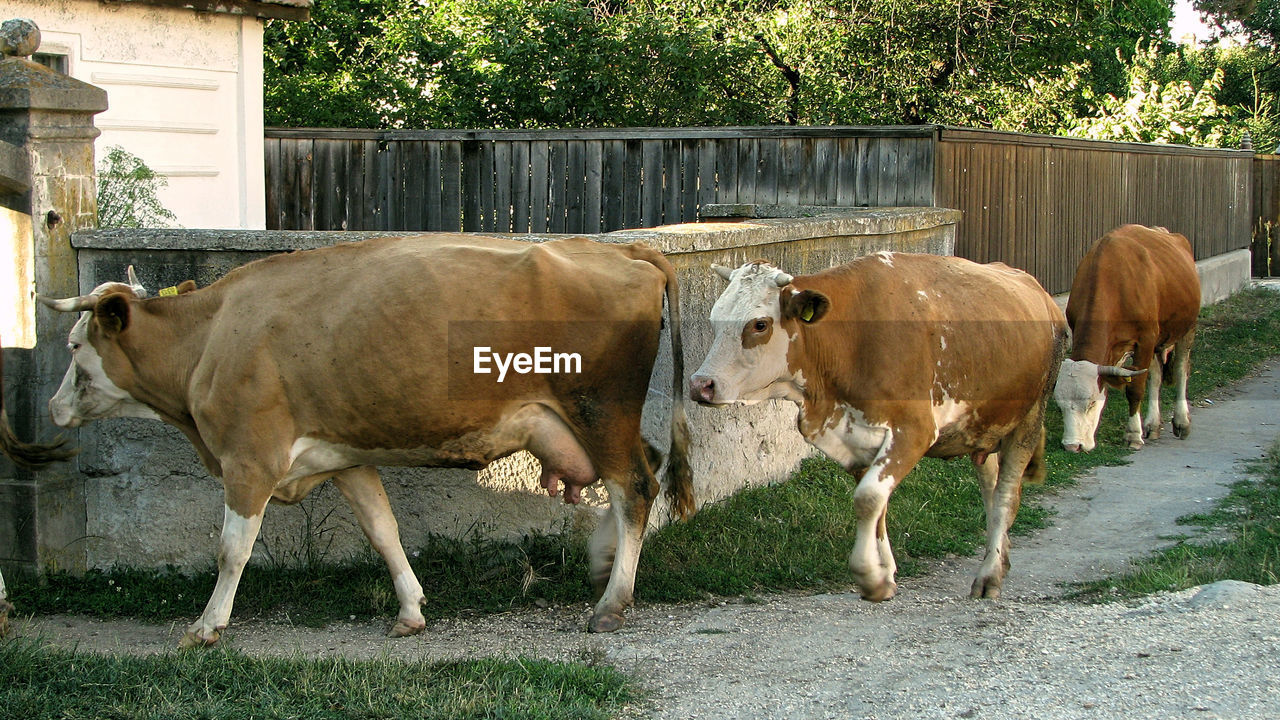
x,y
27,455
678,480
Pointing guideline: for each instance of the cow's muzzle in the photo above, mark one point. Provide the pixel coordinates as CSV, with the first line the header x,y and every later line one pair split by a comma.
x,y
702,389
1071,448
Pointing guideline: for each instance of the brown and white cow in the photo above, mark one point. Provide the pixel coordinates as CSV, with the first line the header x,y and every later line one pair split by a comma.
x,y
28,455
891,358
324,363
1132,310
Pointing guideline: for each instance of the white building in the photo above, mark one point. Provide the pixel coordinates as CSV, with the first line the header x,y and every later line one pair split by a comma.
x,y
184,83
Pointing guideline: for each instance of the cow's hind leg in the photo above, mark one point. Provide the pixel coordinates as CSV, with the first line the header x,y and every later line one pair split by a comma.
x,y
1181,373
245,503
1001,479
615,545
1153,422
363,490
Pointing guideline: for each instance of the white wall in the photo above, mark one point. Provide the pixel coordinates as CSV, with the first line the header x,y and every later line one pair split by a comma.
x,y
185,94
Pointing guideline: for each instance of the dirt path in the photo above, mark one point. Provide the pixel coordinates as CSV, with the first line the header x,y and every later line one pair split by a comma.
x,y
929,653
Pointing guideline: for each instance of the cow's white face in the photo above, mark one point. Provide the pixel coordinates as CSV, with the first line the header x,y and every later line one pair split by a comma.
x,y
1081,396
87,393
747,362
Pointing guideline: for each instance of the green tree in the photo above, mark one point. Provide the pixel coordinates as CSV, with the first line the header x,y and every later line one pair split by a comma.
x,y
1021,64
127,193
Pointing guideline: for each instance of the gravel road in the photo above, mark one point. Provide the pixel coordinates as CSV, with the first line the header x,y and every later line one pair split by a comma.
x,y
1211,652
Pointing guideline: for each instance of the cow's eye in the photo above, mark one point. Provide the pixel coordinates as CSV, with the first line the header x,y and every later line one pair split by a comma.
x,y
73,346
760,326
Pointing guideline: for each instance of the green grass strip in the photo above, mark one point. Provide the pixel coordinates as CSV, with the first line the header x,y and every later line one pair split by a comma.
x,y
39,682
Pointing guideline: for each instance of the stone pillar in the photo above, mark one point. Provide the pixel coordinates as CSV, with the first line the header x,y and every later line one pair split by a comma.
x,y
47,192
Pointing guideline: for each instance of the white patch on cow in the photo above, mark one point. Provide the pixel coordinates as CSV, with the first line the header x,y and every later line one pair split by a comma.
x,y
942,339
923,295
1082,399
947,413
849,439
885,257
87,393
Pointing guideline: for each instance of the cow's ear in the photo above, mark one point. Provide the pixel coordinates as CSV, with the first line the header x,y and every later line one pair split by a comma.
x,y
112,313
807,305
186,286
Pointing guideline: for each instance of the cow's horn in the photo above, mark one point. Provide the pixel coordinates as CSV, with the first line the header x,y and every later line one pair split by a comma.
x,y
72,304
137,286
1115,371
783,279
722,271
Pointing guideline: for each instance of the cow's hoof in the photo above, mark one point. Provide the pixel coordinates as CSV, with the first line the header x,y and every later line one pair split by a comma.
x,y
608,622
985,589
1181,431
194,640
405,628
881,592
1152,433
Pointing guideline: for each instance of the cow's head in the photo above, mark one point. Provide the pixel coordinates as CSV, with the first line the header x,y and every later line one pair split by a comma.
x,y
754,321
1082,394
88,392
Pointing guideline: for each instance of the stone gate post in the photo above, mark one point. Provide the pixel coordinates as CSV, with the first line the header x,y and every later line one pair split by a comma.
x,y
46,193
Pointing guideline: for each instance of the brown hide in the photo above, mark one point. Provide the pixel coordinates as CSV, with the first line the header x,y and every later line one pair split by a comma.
x,y
370,346
879,348
1137,290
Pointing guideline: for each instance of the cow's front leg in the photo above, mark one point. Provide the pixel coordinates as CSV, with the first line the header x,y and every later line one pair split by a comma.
x,y
363,490
239,532
615,545
1134,393
871,560
1153,422
1181,373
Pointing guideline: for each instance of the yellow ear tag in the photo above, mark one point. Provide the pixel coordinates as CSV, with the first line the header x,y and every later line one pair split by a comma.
x,y
1128,379
167,292
807,314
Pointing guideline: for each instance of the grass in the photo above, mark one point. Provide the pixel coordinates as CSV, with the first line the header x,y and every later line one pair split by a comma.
x,y
790,537
37,682
1246,525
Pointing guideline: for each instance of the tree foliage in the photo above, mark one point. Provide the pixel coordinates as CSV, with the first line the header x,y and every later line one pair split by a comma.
x,y
562,63
127,193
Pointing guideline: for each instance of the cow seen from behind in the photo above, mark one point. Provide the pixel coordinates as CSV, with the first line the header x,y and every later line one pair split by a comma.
x,y
1132,311
891,358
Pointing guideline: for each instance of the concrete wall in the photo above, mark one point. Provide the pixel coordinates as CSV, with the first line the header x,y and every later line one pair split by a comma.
x,y
185,92
150,502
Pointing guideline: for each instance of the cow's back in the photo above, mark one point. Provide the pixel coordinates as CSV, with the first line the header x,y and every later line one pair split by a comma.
x,y
929,330
1134,282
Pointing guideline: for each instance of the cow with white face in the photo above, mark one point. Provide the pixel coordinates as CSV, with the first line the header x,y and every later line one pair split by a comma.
x,y
1132,311
891,358
322,364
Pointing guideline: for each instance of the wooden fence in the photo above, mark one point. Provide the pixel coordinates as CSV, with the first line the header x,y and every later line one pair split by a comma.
x,y
1266,215
1034,202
